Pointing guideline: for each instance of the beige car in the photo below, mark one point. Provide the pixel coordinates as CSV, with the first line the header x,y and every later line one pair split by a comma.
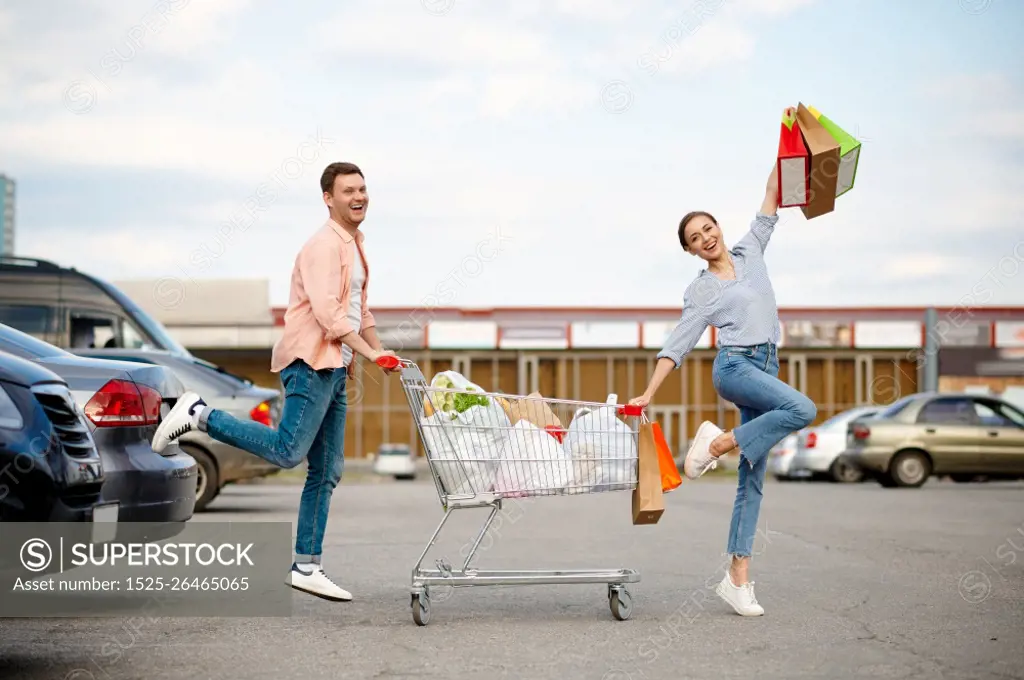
x,y
964,436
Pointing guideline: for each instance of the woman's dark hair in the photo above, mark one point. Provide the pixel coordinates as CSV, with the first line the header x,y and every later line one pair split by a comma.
x,y
686,220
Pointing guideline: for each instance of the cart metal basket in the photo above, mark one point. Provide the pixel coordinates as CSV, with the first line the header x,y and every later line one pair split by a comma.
x,y
484,447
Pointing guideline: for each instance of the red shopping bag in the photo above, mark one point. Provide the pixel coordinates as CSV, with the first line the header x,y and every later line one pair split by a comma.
x,y
794,164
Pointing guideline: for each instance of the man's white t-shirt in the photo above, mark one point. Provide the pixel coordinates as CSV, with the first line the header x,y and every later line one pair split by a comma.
x,y
355,307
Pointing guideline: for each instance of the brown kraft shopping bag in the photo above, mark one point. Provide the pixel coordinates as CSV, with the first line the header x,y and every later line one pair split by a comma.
x,y
648,500
824,175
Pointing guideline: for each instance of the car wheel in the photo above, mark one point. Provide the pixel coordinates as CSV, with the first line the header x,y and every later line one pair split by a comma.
x,y
208,480
843,471
910,469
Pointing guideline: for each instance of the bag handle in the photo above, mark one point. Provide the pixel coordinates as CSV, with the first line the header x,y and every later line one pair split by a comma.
x,y
789,117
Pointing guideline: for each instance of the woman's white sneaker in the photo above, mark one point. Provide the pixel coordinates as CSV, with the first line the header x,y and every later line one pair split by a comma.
x,y
740,598
699,459
310,578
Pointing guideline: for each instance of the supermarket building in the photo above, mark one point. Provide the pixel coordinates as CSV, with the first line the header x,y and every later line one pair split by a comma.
x,y
839,357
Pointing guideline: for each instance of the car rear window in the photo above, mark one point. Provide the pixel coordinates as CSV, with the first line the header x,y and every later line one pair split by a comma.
x,y
896,407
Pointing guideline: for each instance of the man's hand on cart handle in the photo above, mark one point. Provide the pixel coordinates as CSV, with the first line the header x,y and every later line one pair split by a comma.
x,y
387,360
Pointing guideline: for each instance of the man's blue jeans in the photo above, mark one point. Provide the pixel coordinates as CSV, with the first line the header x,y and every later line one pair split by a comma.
x,y
312,426
769,411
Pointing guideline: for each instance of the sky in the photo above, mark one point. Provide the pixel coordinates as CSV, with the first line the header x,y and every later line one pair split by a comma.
x,y
535,152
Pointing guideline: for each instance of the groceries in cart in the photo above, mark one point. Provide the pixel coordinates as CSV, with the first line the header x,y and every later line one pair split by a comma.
x,y
519,447
603,449
464,433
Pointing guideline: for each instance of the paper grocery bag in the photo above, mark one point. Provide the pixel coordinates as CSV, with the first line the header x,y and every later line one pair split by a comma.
x,y
794,163
533,410
648,500
824,174
849,151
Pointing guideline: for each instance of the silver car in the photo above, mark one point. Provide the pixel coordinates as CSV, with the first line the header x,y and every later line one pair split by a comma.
x,y
219,464
819,448
780,459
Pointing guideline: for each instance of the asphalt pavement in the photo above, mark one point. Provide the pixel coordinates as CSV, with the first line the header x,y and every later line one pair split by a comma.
x,y
857,581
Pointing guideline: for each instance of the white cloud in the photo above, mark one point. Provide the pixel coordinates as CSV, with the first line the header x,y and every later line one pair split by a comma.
x,y
978,106
919,265
712,43
772,7
453,40
190,25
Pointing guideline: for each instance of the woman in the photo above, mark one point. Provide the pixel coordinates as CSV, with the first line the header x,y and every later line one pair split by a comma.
x,y
734,294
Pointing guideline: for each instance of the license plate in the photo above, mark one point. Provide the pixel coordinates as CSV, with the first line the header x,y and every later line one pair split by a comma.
x,y
104,523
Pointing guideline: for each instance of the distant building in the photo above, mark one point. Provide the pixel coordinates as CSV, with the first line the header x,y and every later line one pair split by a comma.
x,y
839,357
6,215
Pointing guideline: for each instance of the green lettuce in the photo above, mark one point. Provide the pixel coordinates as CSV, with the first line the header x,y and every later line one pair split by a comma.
x,y
455,403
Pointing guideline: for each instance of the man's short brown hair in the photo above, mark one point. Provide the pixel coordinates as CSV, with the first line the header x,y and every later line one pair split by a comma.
x,y
334,170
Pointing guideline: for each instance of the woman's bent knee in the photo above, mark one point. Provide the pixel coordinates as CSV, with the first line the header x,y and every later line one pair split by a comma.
x,y
805,412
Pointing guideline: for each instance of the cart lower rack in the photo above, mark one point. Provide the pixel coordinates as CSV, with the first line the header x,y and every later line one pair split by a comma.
x,y
485,447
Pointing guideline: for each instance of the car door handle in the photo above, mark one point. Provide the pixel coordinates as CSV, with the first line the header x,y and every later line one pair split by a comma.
x,y
993,434
930,430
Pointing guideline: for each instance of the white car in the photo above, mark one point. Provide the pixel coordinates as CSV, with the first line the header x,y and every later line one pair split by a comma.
x,y
818,448
395,460
780,458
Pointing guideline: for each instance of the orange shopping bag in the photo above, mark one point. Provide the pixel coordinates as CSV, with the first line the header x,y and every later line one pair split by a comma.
x,y
670,478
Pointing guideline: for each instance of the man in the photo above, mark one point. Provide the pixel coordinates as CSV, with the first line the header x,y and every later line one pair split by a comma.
x,y
327,319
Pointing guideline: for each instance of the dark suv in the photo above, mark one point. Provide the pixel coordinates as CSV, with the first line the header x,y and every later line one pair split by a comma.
x,y
73,310
50,470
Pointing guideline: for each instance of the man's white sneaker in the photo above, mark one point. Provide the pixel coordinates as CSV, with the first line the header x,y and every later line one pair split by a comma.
x,y
740,598
699,459
184,417
315,582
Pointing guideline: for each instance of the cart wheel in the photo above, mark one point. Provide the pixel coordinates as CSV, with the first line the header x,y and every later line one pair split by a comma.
x,y
621,603
421,609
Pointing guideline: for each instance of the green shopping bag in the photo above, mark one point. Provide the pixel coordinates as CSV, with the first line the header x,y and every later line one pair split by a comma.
x,y
849,151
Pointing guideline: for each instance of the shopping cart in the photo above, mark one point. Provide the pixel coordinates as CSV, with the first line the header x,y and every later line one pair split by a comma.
x,y
479,457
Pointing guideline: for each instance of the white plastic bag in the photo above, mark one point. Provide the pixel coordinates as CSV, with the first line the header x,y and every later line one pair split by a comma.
x,y
602,448
532,460
464,448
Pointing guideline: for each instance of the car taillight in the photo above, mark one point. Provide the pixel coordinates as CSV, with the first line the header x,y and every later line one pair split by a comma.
x,y
122,402
261,413
812,440
860,432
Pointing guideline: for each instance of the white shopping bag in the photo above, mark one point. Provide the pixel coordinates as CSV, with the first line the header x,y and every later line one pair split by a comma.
x,y
602,448
532,460
464,447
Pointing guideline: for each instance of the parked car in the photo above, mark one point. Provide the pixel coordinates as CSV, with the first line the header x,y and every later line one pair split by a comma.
x,y
780,459
219,464
50,469
395,460
819,449
71,309
123,403
960,435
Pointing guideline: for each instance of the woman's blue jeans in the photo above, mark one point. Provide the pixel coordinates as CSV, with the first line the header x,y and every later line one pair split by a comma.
x,y
769,411
312,427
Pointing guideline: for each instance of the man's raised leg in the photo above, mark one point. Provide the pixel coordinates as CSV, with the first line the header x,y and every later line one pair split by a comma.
x,y
307,398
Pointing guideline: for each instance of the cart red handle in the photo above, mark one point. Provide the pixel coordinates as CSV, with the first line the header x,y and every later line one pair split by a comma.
x,y
631,410
389,362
